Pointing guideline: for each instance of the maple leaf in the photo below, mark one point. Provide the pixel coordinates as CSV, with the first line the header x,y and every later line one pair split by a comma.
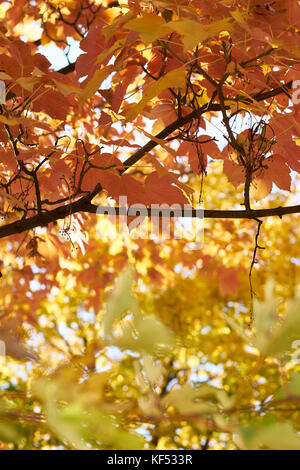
x,y
174,78
278,172
150,27
161,189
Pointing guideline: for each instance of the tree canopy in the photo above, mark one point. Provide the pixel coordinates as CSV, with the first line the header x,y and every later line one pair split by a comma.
x,y
114,340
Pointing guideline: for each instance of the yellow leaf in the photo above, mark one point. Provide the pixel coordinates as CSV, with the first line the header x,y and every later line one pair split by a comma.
x,y
68,3
152,370
260,188
105,54
27,121
237,15
194,32
94,84
175,78
4,76
161,142
266,68
9,122
159,125
237,105
114,23
66,89
27,83
266,432
10,201
202,99
150,26
187,400
293,49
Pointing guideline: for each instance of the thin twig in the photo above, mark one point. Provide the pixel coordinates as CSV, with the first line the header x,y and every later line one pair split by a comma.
x,y
253,262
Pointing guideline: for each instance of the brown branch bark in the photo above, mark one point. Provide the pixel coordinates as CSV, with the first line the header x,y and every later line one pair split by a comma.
x,y
84,205
67,69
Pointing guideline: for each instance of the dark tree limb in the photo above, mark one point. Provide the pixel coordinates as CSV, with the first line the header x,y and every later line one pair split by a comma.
x,y
67,69
84,205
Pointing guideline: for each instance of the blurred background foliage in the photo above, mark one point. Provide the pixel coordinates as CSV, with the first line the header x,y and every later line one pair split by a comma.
x,y
163,356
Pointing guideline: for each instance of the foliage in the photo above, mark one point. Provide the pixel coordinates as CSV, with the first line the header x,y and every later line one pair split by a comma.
x,y
114,341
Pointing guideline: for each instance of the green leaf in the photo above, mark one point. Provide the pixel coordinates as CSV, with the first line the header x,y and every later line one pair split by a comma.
x,y
188,399
147,335
283,336
121,302
268,433
293,387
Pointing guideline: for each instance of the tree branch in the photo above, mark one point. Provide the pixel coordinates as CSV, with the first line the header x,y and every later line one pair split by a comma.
x,y
67,69
84,205
195,114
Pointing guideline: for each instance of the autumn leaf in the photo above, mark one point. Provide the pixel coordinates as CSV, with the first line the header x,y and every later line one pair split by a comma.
x,y
150,26
94,84
193,33
175,78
